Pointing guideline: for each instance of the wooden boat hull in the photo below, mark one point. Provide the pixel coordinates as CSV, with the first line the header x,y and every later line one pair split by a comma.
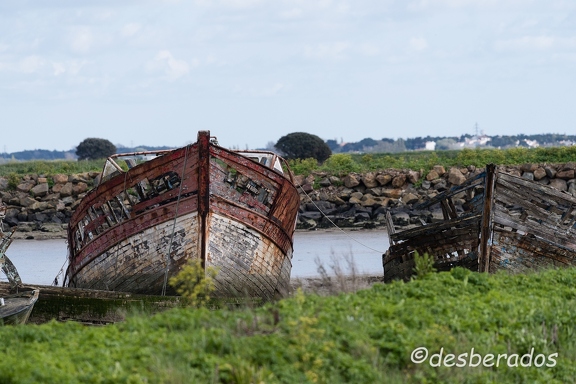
x,y
248,265
17,307
223,209
511,224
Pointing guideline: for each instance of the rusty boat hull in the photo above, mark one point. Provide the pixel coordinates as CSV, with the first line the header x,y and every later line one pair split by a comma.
x,y
508,224
235,211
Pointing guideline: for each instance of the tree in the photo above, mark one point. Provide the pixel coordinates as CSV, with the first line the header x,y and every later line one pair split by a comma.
x,y
92,149
301,145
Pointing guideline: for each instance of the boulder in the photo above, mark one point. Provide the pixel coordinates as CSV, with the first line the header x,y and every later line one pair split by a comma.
x,y
565,174
350,181
399,181
40,190
530,167
455,176
550,172
539,173
383,179
439,170
409,198
559,184
413,176
25,186
66,189
392,193
60,179
432,175
79,188
528,175
369,180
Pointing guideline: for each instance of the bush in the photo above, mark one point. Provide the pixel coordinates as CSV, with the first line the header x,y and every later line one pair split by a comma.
x,y
194,284
301,145
93,149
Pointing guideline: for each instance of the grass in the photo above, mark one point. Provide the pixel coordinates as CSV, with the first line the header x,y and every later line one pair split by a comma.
x,y
362,337
50,168
340,164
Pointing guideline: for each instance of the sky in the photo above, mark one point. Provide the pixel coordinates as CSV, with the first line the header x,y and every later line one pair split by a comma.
x,y
146,72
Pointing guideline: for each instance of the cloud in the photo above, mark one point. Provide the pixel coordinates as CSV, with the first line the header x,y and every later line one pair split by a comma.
x,y
70,67
292,13
535,43
369,49
421,5
173,68
328,51
130,29
418,44
81,39
31,64
262,91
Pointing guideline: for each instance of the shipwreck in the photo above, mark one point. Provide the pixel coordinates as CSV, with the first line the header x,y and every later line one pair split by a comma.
x,y
152,212
508,223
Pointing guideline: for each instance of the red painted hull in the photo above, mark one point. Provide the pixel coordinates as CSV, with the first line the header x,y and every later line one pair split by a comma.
x,y
139,227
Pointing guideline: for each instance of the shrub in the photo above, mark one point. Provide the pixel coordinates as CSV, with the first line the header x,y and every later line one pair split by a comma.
x,y
424,265
194,284
301,145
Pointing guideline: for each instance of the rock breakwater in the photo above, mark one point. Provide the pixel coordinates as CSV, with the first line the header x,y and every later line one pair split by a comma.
x,y
37,204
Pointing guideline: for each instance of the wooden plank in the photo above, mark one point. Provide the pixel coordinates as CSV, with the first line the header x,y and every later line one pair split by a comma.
x,y
486,224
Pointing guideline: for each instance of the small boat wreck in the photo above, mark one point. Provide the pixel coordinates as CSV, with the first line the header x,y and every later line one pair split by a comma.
x,y
16,308
233,210
508,223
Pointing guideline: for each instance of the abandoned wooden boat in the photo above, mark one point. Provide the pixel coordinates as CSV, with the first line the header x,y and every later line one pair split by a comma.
x,y
6,265
509,223
16,308
233,210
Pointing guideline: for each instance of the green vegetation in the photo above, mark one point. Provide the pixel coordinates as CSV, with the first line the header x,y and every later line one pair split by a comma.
x,y
362,337
425,160
94,149
194,284
302,145
49,168
424,265
344,163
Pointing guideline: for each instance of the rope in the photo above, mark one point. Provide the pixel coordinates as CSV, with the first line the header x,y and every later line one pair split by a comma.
x,y
174,223
55,282
336,226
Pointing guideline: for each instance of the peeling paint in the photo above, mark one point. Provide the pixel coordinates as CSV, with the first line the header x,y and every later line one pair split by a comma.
x,y
198,202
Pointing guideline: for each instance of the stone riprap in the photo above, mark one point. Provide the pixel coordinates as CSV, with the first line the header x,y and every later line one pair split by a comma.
x,y
45,204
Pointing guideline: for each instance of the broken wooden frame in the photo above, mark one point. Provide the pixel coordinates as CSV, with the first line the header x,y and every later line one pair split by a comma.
x,y
508,223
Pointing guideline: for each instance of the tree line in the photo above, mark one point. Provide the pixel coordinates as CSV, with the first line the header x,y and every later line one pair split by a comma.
x,y
304,145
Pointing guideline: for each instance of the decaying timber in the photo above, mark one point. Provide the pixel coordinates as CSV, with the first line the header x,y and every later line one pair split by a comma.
x,y
6,264
16,308
232,210
509,223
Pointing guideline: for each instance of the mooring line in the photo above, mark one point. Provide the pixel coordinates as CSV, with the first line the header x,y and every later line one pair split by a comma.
x,y
334,224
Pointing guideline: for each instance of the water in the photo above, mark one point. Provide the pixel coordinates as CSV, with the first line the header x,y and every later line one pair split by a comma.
x,y
40,261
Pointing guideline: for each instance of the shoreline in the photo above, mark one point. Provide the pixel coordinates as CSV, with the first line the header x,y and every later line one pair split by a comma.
x,y
62,234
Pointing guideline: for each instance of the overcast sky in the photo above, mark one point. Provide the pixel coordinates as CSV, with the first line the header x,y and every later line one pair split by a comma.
x,y
144,72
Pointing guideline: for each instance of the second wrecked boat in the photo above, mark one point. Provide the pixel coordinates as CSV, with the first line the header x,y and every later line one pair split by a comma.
x,y
509,223
233,210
